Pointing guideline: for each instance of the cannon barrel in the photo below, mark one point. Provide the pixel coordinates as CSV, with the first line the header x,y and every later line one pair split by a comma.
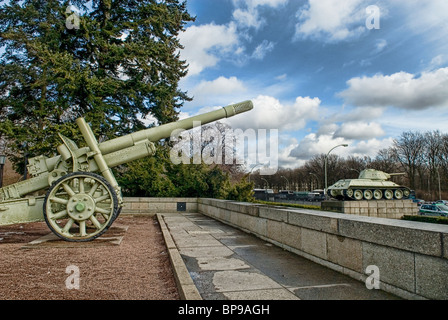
x,y
165,131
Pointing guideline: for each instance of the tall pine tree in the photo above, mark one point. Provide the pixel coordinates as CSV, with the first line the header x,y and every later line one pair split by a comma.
x,y
117,63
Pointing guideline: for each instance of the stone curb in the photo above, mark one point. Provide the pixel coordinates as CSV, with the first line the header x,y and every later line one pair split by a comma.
x,y
186,287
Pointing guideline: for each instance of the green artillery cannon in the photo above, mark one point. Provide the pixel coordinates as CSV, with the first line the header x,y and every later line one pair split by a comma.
x,y
83,197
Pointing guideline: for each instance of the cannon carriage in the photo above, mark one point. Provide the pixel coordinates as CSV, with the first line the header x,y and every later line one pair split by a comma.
x,y
83,198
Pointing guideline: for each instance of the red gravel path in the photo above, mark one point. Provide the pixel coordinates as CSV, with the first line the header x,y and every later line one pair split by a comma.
x,y
137,269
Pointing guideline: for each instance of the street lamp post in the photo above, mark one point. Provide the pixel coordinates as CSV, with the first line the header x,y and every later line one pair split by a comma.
x,y
257,165
2,164
326,160
267,183
287,181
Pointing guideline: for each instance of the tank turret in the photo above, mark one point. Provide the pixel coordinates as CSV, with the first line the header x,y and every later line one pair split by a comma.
x,y
377,175
371,185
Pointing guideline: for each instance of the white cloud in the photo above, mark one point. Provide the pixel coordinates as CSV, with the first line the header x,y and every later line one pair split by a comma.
x,y
281,77
284,157
428,17
247,18
221,85
380,45
314,144
400,90
264,48
205,44
247,13
361,114
359,131
269,3
331,20
371,147
438,61
220,90
270,113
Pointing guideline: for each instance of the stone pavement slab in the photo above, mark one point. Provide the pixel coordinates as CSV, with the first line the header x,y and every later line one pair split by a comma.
x,y
228,264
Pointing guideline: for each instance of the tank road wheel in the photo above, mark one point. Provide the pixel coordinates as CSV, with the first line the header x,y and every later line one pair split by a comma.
x,y
334,193
398,194
378,194
349,193
359,195
368,194
389,194
406,193
80,207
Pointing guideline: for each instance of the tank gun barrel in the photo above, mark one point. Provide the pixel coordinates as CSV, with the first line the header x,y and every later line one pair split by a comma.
x,y
165,131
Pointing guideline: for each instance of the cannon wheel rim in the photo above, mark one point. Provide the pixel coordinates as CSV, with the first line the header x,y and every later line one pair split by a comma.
x,y
378,194
67,205
389,194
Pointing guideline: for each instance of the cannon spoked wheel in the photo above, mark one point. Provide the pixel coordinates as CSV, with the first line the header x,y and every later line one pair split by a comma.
x,y
80,207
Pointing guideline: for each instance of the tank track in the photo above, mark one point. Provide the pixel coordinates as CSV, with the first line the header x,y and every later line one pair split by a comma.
x,y
368,194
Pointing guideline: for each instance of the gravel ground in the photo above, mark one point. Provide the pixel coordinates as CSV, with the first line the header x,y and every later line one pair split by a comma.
x,y
137,269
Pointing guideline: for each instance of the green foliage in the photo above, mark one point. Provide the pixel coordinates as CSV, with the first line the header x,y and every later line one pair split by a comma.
x,y
437,220
120,64
158,177
242,191
146,178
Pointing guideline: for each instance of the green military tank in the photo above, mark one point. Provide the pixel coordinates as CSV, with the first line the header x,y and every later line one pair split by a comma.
x,y
371,185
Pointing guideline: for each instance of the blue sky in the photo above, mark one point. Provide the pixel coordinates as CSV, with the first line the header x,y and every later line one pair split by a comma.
x,y
317,73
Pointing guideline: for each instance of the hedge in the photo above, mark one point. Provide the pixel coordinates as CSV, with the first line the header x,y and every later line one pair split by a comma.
x,y
438,220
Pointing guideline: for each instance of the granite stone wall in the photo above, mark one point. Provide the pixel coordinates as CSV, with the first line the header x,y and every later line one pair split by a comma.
x,y
152,206
391,209
412,257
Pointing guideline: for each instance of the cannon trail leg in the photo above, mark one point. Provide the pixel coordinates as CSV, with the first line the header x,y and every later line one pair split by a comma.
x,y
80,207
